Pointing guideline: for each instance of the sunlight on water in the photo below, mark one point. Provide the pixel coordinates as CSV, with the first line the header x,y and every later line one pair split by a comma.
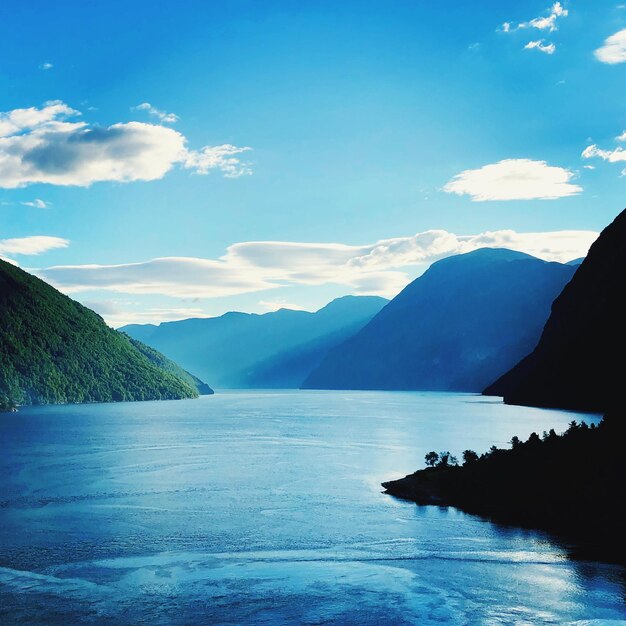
x,y
261,508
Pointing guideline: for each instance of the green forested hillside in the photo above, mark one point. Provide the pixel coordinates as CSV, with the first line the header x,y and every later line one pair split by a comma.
x,y
170,366
54,350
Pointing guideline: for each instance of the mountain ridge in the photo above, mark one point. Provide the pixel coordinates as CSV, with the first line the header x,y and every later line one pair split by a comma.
x,y
249,350
576,363
451,328
55,350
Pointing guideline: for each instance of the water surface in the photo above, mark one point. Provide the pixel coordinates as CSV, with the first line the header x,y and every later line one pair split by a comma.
x,y
263,508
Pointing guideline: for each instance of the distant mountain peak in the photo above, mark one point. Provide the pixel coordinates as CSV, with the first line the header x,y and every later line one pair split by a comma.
x,y
275,349
351,302
455,328
488,255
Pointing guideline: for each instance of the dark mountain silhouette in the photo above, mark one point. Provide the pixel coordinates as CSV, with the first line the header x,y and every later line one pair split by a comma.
x,y
579,361
273,350
54,350
469,318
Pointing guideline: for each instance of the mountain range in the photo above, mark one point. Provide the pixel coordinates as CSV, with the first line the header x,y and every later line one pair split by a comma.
x,y
468,319
460,326
246,350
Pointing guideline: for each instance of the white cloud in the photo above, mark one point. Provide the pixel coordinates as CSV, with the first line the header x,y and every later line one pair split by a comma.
x,y
618,155
119,313
31,245
547,48
172,276
40,146
18,120
162,116
222,158
246,267
385,284
46,66
546,22
514,179
276,305
613,50
37,203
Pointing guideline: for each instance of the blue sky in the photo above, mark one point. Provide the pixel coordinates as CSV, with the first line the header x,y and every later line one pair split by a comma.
x,y
367,123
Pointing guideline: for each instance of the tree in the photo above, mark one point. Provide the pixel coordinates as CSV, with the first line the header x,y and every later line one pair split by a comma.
x,y
515,441
432,458
446,459
572,427
469,457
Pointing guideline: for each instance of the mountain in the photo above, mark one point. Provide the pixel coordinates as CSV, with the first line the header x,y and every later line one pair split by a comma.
x,y
161,361
466,320
246,350
579,361
54,350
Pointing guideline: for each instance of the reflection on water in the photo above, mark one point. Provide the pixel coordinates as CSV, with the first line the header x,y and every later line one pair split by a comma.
x,y
267,508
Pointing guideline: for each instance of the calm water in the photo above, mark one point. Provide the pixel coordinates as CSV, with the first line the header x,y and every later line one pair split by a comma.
x,y
263,508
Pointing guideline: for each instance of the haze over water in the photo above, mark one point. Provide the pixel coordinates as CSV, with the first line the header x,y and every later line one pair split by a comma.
x,y
252,508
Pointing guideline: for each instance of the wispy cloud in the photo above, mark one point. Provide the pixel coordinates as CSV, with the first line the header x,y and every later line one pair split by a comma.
x,y
119,313
18,121
378,268
34,245
548,22
617,155
541,46
46,66
37,203
276,305
613,50
223,158
514,179
41,146
162,116
170,276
